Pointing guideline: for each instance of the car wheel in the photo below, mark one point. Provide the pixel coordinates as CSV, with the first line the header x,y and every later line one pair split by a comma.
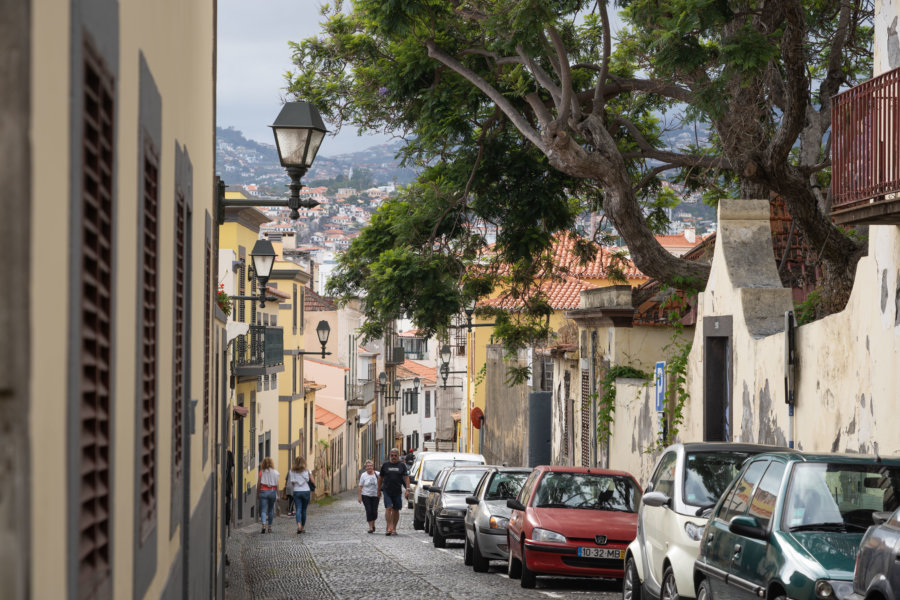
x,y
427,525
514,565
467,552
439,540
479,563
528,578
418,524
631,584
668,591
704,592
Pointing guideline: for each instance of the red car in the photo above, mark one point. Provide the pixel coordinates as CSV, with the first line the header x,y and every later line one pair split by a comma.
x,y
572,521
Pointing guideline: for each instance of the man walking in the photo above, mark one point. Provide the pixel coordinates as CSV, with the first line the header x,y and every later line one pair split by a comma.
x,y
393,476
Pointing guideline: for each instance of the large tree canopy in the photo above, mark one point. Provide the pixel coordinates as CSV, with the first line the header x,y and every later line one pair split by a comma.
x,y
527,112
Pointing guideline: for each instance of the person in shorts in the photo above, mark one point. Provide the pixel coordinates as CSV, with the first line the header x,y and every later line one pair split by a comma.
x,y
393,479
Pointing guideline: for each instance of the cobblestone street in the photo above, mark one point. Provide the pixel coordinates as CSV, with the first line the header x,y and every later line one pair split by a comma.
x,y
336,558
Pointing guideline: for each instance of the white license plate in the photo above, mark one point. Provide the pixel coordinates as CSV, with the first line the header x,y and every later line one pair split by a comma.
x,y
600,553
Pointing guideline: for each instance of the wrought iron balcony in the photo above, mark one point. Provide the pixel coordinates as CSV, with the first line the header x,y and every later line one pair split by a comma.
x,y
865,155
394,355
259,352
362,393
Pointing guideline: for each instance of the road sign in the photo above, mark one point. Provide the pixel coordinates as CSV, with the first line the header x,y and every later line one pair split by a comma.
x,y
660,385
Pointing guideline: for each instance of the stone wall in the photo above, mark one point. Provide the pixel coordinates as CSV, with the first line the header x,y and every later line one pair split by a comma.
x,y
505,411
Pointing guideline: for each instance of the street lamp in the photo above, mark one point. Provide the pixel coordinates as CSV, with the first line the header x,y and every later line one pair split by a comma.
x,y
382,379
263,255
323,329
445,367
299,132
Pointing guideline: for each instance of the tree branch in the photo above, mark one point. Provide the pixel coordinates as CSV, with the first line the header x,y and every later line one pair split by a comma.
x,y
565,77
650,151
599,97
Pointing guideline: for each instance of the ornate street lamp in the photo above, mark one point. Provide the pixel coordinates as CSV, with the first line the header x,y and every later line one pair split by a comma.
x,y
323,330
445,367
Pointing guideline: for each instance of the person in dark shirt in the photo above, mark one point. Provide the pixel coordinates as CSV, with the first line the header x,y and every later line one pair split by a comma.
x,y
392,480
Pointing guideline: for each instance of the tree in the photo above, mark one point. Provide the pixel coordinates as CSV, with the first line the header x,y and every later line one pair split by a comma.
x,y
485,88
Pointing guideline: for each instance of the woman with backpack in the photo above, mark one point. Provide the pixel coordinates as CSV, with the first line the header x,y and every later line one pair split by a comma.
x,y
302,486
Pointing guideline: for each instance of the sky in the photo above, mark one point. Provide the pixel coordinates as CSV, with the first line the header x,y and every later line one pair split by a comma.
x,y
253,55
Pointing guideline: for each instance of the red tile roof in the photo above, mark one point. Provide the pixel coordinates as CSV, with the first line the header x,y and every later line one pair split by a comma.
x,y
411,369
328,418
566,259
562,294
315,302
411,333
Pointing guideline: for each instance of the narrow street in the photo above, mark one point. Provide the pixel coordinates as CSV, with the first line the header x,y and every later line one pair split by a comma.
x,y
336,558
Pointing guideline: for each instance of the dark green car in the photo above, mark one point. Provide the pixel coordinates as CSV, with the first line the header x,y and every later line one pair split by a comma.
x,y
790,524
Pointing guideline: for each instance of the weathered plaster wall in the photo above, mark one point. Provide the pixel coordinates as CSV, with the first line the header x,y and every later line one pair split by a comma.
x,y
634,431
846,377
506,413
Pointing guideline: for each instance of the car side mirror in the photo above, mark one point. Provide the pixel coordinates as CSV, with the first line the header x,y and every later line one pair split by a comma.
x,y
515,505
656,499
747,526
881,517
471,500
427,488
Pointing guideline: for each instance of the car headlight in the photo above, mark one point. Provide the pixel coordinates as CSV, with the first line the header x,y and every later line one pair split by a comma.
x,y
449,512
693,531
829,590
499,522
545,535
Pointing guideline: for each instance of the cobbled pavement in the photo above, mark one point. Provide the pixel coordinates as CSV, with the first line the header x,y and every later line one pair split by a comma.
x,y
336,558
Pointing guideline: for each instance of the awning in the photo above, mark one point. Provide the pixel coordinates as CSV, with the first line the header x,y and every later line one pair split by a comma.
x,y
239,412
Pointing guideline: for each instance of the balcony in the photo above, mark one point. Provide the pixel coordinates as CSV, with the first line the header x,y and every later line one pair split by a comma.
x,y
865,156
259,352
394,355
362,393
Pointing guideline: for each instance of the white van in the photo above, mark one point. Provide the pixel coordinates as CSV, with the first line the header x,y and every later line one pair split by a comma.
x,y
427,468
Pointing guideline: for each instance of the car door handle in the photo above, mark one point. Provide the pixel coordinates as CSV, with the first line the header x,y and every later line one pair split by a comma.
x,y
737,549
709,538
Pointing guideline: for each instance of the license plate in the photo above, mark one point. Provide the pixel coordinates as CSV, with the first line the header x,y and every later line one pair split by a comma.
x,y
601,553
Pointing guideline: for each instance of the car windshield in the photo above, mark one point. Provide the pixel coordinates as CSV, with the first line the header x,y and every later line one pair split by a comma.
x,y
505,486
587,490
836,496
431,467
707,475
463,482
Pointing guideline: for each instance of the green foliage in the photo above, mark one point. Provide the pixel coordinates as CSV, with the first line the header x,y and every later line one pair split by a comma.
x,y
807,311
360,179
606,406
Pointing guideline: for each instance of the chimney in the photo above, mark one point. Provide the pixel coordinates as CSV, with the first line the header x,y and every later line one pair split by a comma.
x,y
690,234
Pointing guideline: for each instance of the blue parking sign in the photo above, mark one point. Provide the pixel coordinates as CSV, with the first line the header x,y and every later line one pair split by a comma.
x,y
660,385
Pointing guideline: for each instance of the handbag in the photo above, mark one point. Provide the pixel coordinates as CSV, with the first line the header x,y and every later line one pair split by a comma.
x,y
312,486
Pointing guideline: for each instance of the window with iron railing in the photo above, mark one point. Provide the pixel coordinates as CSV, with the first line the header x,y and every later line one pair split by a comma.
x,y
414,348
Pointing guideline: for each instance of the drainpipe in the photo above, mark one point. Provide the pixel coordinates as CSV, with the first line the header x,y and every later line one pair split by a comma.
x,y
790,350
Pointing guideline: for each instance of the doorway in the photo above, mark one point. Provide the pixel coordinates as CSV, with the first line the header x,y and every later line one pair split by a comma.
x,y
717,401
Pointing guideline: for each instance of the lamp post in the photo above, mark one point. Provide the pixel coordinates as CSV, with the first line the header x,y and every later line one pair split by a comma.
x,y
323,329
299,132
263,257
445,367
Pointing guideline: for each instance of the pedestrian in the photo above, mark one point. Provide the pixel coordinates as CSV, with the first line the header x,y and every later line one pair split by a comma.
x,y
410,457
393,476
300,480
368,493
289,494
268,492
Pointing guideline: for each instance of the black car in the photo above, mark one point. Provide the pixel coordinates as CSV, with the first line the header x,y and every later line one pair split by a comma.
x,y
432,493
877,573
449,509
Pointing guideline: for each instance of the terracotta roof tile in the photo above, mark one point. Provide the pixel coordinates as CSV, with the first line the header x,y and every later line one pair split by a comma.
x,y
314,302
563,249
328,418
562,294
411,369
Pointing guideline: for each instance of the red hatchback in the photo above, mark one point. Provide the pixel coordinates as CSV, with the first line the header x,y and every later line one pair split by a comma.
x,y
572,521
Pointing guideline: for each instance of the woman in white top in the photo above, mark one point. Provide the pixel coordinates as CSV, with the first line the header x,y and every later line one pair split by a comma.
x,y
268,492
368,493
299,479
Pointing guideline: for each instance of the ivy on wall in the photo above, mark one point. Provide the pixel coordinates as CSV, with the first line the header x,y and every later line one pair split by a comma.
x,y
607,405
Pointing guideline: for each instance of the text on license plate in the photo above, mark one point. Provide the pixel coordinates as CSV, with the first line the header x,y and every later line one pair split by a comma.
x,y
600,552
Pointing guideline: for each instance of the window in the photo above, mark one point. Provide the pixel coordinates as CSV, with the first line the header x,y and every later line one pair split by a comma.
x,y
505,486
663,480
546,374
178,340
428,404
294,309
739,498
207,334
763,504
96,298
707,474
149,334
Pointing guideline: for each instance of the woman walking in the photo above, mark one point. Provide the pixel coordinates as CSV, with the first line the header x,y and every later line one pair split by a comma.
x,y
299,479
368,493
268,492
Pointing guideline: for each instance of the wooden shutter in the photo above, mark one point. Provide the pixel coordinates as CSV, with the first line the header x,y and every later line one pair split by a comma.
x,y
95,328
586,418
178,350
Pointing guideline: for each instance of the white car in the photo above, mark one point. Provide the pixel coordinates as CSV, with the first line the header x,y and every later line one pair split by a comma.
x,y
431,463
685,485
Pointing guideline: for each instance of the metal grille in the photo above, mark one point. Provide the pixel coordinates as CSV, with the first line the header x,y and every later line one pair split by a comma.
x,y
585,418
149,340
865,133
567,416
95,328
178,350
207,325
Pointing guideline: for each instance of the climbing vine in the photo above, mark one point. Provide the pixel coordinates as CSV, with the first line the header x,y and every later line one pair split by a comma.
x,y
607,404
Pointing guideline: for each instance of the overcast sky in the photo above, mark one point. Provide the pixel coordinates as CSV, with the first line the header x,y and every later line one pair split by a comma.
x,y
253,56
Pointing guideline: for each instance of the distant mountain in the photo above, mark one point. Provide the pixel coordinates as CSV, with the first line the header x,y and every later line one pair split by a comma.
x,y
240,160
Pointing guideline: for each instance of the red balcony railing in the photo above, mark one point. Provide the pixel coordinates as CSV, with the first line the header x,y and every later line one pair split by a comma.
x,y
865,152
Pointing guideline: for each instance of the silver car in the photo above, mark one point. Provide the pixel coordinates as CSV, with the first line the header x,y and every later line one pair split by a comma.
x,y
487,516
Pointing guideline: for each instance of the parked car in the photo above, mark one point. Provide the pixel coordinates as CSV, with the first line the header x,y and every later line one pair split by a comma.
x,y
432,492
685,484
448,511
790,525
412,486
572,521
431,463
487,516
877,572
